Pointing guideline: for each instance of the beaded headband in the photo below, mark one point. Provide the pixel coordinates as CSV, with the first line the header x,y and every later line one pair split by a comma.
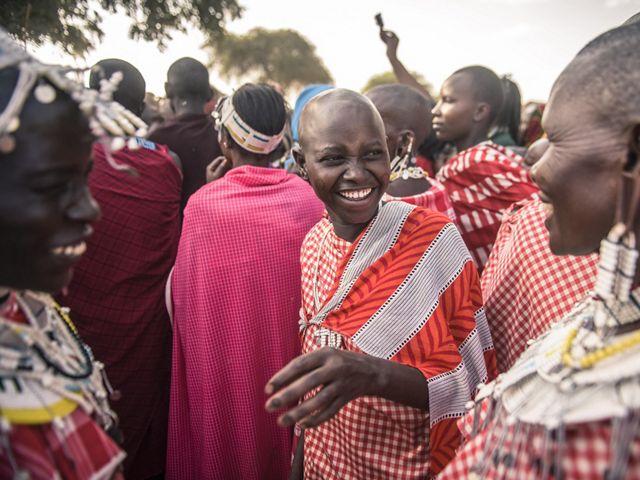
x,y
109,121
245,136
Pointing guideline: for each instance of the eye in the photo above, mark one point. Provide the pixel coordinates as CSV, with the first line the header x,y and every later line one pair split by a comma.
x,y
332,159
51,188
373,154
447,99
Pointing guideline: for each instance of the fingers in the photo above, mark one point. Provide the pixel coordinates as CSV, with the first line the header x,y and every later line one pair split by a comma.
x,y
297,389
217,168
322,416
295,369
318,403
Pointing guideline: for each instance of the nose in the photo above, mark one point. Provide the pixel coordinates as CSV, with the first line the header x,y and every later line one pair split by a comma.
x,y
535,152
355,171
84,208
436,110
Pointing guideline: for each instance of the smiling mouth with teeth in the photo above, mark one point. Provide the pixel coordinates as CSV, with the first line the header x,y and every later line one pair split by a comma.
x,y
70,250
356,194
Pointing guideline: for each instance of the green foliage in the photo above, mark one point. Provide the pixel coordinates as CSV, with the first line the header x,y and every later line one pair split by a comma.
x,y
283,57
385,78
75,25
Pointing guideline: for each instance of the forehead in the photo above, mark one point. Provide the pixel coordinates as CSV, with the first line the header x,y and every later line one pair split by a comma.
x,y
459,84
567,111
49,137
342,122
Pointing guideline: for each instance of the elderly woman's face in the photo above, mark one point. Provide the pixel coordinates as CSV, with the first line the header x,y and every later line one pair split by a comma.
x,y
579,175
45,205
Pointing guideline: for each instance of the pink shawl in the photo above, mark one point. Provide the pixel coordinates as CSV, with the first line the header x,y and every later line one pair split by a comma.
x,y
236,298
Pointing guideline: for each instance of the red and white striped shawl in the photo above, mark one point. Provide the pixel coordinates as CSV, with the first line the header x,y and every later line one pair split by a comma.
x,y
483,181
407,291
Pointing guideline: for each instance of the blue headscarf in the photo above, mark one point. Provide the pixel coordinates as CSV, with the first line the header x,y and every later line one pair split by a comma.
x,y
307,94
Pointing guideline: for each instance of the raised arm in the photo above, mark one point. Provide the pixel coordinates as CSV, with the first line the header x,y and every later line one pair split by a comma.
x,y
403,75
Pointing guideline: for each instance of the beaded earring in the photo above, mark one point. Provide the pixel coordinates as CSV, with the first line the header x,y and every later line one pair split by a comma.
x,y
618,251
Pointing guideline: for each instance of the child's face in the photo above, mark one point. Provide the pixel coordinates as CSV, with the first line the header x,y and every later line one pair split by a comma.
x,y
45,206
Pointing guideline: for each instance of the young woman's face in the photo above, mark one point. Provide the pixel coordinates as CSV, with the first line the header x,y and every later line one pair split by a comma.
x,y
346,157
46,209
453,114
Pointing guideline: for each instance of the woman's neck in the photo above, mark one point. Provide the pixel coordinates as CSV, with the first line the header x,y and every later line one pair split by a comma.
x,y
348,232
471,140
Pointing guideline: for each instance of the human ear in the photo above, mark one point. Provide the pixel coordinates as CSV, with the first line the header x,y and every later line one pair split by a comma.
x,y
224,138
629,197
482,112
405,143
298,156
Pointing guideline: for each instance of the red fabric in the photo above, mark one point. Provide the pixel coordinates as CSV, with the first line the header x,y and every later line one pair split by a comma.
x,y
83,452
483,181
117,294
194,139
372,437
436,199
236,298
525,287
426,164
587,453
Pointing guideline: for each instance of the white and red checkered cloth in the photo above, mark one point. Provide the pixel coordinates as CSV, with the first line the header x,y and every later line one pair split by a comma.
x,y
587,453
525,287
483,182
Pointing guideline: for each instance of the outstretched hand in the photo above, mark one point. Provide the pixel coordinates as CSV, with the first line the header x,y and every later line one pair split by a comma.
x,y
342,375
391,40
217,168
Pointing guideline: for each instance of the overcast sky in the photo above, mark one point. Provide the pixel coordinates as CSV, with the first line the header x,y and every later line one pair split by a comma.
x,y
530,39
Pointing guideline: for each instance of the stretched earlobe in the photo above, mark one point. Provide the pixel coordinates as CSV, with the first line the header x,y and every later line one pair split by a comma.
x,y
298,156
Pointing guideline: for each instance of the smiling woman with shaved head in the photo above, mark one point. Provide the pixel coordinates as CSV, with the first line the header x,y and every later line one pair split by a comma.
x,y
393,332
570,406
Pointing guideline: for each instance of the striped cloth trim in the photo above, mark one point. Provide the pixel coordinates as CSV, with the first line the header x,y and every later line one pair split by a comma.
x,y
417,297
379,237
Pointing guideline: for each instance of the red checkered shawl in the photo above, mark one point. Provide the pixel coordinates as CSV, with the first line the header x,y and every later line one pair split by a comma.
x,y
116,295
406,291
526,287
483,181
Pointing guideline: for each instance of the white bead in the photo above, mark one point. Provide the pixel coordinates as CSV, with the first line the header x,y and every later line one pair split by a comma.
x,y
117,143
133,144
45,93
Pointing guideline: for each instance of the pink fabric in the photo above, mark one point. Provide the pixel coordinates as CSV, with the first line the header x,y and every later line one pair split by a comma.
x,y
236,300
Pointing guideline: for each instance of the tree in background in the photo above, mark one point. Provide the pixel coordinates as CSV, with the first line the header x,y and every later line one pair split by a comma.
x,y
283,57
389,77
75,25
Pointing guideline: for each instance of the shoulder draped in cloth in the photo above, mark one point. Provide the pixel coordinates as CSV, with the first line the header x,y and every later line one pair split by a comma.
x,y
436,199
236,298
407,291
116,295
194,139
483,181
525,286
